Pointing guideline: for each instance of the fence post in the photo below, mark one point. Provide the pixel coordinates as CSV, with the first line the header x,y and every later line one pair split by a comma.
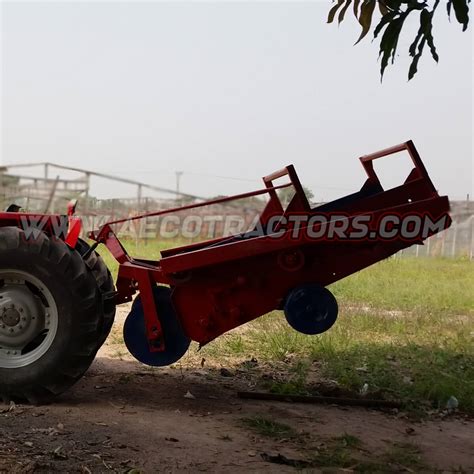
x,y
471,252
453,246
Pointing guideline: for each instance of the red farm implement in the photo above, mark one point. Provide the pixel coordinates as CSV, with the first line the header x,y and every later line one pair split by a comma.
x,y
57,299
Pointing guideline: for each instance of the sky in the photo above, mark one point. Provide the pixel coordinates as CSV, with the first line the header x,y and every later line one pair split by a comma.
x,y
227,92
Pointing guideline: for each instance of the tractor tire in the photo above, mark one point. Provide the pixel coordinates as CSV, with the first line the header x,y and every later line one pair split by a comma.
x,y
51,316
106,286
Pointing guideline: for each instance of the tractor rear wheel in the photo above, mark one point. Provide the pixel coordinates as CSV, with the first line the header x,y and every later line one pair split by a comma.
x,y
106,286
51,316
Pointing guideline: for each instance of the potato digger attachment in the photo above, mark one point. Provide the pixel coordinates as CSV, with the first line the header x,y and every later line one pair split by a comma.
x,y
57,297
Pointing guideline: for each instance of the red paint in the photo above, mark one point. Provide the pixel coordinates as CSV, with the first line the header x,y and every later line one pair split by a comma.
x,y
223,283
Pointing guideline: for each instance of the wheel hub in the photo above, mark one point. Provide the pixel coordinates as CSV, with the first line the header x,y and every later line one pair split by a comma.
x,y
22,315
28,319
10,316
311,309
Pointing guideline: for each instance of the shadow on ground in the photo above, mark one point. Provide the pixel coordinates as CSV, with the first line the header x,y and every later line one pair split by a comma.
x,y
123,416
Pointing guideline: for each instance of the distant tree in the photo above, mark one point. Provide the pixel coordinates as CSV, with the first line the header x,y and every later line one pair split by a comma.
x,y
393,14
309,193
286,194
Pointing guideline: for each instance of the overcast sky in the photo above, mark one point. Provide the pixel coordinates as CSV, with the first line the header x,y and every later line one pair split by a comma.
x,y
226,90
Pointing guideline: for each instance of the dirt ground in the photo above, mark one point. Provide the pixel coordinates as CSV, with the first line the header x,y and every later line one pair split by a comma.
x,y
124,417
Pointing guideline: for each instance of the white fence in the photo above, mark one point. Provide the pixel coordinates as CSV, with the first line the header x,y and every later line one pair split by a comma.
x,y
455,242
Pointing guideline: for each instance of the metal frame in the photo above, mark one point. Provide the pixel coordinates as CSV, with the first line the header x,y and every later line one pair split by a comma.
x,y
220,284
223,283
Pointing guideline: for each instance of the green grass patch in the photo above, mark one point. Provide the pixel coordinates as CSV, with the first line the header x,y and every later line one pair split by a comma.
x,y
349,440
146,249
269,428
431,285
418,358
406,456
337,452
295,383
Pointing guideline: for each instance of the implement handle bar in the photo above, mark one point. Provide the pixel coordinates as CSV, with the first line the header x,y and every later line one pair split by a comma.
x,y
199,204
409,146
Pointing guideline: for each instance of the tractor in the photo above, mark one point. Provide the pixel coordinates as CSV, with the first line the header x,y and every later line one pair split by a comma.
x,y
58,298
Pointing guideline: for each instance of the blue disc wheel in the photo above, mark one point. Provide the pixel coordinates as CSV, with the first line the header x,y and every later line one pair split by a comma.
x,y
311,309
134,332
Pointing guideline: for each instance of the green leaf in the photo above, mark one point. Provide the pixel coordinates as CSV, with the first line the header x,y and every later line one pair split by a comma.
x,y
394,5
365,18
356,8
426,25
383,22
461,10
412,49
448,8
393,15
414,64
333,11
383,7
343,11
389,41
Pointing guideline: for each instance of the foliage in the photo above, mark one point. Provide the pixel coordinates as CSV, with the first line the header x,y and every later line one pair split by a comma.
x,y
286,194
269,428
393,16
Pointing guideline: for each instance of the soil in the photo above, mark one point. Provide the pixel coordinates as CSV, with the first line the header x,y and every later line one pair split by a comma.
x,y
125,417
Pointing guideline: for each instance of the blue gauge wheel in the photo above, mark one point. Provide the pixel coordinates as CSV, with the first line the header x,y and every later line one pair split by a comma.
x,y
134,332
311,309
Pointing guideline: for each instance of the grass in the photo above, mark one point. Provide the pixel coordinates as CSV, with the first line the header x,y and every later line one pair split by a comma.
x,y
269,428
147,249
349,440
421,353
295,383
405,328
399,457
337,452
418,359
345,451
405,455
427,285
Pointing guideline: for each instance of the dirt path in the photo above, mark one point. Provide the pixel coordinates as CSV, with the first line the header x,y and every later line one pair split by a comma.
x,y
122,417
125,417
